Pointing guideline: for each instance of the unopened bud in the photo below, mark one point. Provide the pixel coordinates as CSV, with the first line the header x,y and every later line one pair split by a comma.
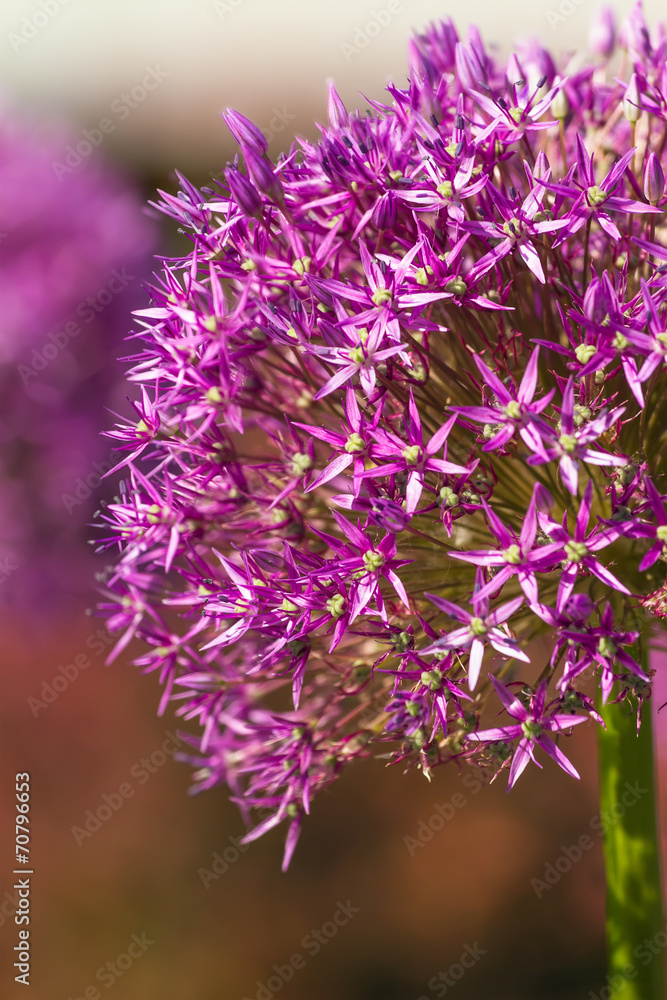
x,y
245,132
560,105
602,33
631,108
654,180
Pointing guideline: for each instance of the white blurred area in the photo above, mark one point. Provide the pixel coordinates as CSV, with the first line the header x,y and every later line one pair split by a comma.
x,y
85,60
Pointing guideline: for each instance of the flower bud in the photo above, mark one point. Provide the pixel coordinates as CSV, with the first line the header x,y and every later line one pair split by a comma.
x,y
654,180
560,105
389,515
384,213
336,111
631,108
245,132
263,175
244,193
602,33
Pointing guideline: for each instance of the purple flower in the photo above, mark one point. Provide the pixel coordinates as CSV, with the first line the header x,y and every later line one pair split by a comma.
x,y
515,555
594,200
412,457
389,356
571,445
578,551
481,626
535,724
513,410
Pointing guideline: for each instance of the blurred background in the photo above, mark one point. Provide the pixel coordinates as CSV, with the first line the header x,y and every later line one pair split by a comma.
x,y
100,101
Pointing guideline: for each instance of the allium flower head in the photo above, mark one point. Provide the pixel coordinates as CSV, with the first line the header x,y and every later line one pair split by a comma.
x,y
403,412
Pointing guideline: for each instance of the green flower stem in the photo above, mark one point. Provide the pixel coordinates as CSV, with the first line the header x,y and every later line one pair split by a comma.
x,y
635,919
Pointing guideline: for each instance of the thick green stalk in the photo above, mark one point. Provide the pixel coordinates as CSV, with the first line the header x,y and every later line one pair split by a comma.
x,y
628,793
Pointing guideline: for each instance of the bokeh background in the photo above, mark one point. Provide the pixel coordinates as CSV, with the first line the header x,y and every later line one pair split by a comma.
x,y
216,921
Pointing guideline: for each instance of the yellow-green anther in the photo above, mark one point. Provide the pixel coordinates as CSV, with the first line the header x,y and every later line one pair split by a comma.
x,y
382,297
512,228
301,264
531,729
576,551
412,454
568,442
596,195
335,606
432,679
606,647
301,463
401,642
449,497
154,514
456,286
512,554
354,443
373,560
584,353
477,626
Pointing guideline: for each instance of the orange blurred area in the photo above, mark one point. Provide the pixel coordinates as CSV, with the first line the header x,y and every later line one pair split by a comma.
x,y
422,871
